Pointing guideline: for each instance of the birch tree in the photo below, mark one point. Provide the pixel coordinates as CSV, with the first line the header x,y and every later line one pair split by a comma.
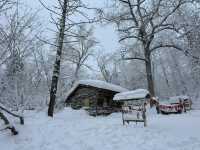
x,y
69,13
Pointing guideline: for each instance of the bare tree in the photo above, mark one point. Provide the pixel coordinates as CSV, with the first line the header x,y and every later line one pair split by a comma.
x,y
78,53
17,43
5,5
108,65
102,62
190,23
65,11
144,21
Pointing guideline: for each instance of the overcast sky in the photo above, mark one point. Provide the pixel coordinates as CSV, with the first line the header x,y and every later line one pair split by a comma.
x,y
104,34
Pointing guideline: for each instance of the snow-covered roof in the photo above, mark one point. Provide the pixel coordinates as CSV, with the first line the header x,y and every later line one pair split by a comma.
x,y
131,95
98,84
182,97
176,99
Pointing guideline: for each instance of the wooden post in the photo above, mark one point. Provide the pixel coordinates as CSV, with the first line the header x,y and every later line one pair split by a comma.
x,y
145,120
123,116
190,103
144,115
96,99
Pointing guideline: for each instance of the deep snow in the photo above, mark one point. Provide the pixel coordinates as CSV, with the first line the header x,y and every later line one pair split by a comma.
x,y
75,130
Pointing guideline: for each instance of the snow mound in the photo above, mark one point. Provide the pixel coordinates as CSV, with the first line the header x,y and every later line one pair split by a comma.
x,y
131,95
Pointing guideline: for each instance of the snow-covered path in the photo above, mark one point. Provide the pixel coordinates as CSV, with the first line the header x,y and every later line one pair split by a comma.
x,y
75,130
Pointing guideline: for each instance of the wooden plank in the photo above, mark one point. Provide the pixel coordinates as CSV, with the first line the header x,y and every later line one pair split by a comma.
x,y
134,120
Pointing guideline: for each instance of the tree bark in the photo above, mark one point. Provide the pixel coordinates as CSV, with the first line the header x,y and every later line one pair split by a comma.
x,y
56,71
150,81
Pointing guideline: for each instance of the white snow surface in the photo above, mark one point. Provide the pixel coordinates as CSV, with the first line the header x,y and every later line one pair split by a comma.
x,y
75,130
131,95
98,84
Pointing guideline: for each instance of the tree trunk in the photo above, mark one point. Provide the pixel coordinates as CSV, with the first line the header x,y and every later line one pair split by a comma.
x,y
183,85
150,81
76,73
56,71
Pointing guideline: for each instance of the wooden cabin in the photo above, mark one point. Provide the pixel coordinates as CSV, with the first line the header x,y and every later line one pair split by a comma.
x,y
95,96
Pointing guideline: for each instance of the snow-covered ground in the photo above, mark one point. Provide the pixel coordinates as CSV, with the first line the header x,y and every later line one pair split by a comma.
x,y
75,130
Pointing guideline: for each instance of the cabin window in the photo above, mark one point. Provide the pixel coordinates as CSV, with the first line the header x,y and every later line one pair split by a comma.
x,y
102,102
86,102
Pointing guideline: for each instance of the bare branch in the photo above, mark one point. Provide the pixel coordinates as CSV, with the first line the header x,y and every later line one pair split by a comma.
x,y
186,52
180,3
130,37
134,58
46,7
46,42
